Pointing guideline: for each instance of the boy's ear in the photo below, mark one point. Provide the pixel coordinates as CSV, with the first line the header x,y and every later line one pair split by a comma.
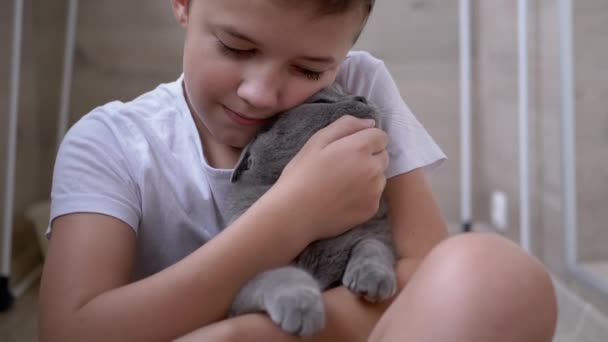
x,y
180,10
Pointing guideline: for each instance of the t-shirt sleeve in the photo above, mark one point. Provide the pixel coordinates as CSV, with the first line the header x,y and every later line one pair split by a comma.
x,y
410,145
93,175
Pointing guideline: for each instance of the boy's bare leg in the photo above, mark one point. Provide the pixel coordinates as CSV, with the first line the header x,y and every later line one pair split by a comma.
x,y
217,332
473,287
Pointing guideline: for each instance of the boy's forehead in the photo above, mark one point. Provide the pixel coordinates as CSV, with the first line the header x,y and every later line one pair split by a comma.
x,y
264,20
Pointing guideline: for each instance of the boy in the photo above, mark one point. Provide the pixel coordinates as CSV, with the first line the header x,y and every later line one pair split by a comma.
x,y
136,252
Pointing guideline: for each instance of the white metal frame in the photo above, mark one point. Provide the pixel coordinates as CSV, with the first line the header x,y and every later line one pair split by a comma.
x,y
465,115
568,144
11,153
524,140
68,69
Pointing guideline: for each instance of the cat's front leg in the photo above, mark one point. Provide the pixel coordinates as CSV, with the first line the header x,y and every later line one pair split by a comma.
x,y
289,295
370,271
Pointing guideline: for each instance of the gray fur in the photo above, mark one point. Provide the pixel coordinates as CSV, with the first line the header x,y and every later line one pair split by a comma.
x,y
361,259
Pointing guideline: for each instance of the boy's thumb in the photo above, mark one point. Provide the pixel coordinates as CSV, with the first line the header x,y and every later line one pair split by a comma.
x,y
343,127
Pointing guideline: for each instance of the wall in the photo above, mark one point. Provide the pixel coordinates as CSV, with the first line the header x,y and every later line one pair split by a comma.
x,y
591,55
145,36
106,29
35,120
496,120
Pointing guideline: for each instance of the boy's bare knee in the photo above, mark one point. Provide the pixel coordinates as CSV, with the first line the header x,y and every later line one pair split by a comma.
x,y
474,287
491,264
493,278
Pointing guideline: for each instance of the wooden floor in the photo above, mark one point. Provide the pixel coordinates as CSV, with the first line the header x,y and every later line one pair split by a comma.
x,y
20,323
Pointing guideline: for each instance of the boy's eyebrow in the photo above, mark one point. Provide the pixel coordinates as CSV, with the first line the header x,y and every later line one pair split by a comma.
x,y
324,60
235,33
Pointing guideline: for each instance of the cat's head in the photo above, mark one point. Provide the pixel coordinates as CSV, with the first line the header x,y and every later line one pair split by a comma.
x,y
263,160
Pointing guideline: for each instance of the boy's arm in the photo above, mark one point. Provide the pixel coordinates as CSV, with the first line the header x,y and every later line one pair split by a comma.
x,y
417,227
86,291
86,295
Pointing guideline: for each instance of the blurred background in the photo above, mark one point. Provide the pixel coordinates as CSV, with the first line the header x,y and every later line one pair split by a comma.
x,y
125,48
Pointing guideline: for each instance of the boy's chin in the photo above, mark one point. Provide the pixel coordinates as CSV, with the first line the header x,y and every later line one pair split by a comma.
x,y
238,142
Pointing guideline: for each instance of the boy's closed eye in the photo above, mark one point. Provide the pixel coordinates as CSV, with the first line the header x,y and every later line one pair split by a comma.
x,y
235,52
239,53
311,75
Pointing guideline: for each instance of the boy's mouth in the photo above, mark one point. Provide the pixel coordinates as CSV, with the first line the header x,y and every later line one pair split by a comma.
x,y
242,119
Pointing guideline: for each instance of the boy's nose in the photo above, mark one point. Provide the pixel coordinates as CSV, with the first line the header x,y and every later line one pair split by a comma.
x,y
261,88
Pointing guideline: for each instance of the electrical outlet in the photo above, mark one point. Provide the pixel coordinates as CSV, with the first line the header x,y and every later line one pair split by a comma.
x,y
499,210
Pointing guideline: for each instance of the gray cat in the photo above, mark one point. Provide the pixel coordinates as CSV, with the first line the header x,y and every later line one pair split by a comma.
x,y
361,259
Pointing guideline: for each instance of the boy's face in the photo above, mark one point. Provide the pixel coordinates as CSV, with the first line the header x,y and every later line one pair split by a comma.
x,y
247,60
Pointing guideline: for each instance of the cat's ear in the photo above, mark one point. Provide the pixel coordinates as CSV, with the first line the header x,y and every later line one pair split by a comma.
x,y
331,94
243,164
361,99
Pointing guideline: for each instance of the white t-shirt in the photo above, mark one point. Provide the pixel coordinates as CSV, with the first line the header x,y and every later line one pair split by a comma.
x,y
142,162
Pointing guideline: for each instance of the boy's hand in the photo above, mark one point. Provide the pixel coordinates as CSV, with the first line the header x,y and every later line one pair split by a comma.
x,y
337,178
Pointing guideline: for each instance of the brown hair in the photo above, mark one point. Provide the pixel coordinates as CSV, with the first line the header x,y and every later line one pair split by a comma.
x,y
329,7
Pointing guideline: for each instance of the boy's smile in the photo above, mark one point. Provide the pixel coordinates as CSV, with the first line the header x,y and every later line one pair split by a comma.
x,y
247,60
243,119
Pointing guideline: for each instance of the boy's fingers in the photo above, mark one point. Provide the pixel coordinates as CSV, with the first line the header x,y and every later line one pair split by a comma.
x,y
343,127
379,141
383,159
372,141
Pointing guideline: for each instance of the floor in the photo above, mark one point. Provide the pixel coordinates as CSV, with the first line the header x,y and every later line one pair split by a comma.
x,y
20,324
579,322
600,268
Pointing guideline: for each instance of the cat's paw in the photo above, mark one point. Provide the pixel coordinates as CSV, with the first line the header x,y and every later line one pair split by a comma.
x,y
370,280
297,310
